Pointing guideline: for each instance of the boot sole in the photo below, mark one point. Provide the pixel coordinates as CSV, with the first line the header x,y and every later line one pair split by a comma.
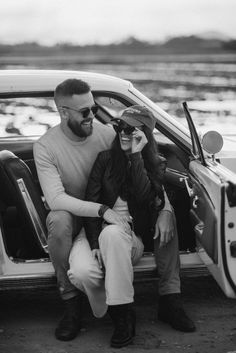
x,y
123,344
66,338
176,327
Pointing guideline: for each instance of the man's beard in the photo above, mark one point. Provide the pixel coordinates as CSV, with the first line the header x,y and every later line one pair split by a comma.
x,y
79,130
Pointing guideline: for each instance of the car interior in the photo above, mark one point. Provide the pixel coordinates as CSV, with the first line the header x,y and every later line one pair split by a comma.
x,y
22,208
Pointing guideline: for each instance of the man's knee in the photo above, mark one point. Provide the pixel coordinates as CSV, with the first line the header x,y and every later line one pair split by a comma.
x,y
59,224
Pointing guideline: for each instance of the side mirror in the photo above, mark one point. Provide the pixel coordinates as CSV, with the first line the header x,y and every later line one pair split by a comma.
x,y
212,142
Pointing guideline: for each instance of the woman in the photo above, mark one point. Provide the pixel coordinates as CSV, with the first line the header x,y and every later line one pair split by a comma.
x,y
128,179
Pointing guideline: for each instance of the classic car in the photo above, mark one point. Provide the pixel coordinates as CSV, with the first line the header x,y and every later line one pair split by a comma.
x,y
200,187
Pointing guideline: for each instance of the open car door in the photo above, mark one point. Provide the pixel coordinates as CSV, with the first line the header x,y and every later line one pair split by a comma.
x,y
212,189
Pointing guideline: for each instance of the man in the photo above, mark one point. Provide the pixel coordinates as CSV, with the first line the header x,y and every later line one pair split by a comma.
x,y
64,157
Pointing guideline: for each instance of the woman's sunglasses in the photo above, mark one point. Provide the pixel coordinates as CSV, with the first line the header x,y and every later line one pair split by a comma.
x,y
84,111
128,130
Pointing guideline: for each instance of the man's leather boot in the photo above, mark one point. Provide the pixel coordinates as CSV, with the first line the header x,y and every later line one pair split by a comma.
x,y
124,320
70,323
171,311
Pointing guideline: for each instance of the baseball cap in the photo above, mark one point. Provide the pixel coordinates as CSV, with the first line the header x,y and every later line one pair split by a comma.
x,y
137,115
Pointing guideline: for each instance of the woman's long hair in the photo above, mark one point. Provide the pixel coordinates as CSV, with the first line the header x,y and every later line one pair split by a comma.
x,y
119,168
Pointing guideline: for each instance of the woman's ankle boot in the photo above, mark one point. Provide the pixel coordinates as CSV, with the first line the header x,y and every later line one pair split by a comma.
x,y
123,317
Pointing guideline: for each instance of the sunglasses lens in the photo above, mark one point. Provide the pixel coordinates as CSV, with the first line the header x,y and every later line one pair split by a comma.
x,y
86,111
129,130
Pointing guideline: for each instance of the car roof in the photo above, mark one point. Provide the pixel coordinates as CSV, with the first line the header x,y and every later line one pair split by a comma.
x,y
47,80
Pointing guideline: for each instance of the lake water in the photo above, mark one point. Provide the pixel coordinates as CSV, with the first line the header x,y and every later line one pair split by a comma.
x,y
206,83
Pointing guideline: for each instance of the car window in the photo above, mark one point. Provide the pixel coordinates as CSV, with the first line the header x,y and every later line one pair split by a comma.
x,y
113,105
27,116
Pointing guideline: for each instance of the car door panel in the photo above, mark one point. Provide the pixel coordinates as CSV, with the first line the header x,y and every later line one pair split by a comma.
x,y
203,218
211,215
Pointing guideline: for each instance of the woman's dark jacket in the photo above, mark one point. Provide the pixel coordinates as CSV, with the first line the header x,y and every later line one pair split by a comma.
x,y
140,198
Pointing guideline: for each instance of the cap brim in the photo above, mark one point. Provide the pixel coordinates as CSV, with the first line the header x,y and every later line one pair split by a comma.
x,y
128,120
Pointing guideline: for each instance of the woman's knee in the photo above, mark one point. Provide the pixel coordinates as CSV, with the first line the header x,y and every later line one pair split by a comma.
x,y
112,234
80,273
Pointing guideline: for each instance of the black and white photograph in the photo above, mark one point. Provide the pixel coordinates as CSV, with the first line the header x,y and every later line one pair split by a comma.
x,y
118,176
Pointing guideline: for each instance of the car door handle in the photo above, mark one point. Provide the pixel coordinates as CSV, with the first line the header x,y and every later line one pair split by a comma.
x,y
188,187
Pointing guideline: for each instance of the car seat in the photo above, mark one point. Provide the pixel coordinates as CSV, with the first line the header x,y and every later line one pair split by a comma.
x,y
18,190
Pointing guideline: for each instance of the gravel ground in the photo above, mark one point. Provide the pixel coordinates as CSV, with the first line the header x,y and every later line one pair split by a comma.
x,y
28,320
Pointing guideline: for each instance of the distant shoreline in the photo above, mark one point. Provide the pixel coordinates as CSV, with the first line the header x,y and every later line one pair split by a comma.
x,y
79,58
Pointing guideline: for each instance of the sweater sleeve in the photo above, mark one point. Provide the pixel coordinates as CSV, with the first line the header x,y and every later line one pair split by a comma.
x,y
53,190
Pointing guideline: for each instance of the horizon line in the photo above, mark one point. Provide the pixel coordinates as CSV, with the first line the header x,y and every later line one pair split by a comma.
x,y
120,41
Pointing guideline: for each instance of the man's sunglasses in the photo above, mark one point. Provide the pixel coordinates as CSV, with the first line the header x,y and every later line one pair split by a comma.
x,y
84,111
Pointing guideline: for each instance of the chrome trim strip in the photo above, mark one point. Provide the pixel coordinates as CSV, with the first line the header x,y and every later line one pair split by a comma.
x,y
33,215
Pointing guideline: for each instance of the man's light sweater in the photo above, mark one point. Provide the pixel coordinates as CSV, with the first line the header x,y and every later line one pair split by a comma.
x,y
63,167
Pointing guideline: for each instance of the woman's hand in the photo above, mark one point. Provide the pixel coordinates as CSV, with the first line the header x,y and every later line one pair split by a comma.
x,y
96,254
139,141
164,227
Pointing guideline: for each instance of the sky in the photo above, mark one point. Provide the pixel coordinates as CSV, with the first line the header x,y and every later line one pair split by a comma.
x,y
104,21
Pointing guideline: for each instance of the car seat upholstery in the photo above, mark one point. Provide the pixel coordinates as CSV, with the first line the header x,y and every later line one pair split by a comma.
x,y
17,188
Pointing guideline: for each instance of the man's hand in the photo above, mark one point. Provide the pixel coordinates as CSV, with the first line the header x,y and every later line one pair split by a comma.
x,y
139,140
112,217
164,227
96,254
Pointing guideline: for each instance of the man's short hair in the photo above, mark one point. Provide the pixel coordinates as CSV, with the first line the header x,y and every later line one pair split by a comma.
x,y
70,87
